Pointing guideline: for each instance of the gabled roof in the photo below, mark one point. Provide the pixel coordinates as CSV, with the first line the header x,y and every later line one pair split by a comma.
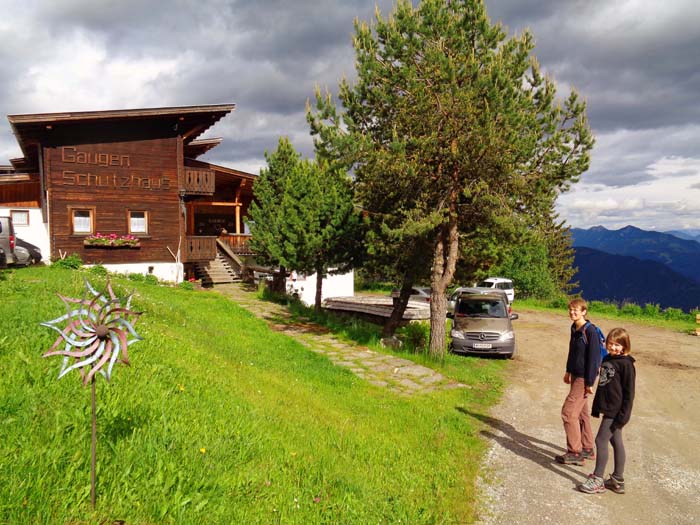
x,y
188,121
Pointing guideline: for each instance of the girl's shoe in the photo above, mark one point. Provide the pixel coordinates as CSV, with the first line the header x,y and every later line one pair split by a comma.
x,y
593,485
614,484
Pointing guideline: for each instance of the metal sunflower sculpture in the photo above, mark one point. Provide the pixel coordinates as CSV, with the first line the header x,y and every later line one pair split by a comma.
x,y
97,335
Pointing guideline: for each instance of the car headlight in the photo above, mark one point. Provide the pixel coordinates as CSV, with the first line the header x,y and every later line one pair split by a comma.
x,y
507,336
456,334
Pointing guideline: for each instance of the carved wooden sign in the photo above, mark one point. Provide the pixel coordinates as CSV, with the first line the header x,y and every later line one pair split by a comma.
x,y
107,171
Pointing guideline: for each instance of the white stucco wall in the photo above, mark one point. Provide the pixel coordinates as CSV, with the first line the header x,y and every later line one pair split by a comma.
x,y
165,271
341,285
35,233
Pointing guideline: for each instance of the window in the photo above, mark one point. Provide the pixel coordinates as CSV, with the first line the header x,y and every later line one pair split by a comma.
x,y
20,217
82,220
138,222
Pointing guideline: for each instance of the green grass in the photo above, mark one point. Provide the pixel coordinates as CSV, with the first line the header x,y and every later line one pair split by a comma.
x,y
221,420
415,337
649,314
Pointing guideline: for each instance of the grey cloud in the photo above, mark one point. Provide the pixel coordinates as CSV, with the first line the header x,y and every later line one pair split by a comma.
x,y
640,72
649,216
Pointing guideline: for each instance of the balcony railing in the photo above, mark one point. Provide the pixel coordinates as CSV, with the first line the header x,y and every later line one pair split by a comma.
x,y
198,182
199,248
237,243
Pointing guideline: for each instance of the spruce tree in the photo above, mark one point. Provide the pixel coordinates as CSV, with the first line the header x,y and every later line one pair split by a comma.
x,y
304,218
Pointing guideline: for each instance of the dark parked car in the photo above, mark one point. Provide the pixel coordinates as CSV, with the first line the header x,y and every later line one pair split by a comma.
x,y
34,253
7,239
3,259
481,325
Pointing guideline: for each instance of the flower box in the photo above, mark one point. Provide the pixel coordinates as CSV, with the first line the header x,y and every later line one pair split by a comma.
x,y
111,241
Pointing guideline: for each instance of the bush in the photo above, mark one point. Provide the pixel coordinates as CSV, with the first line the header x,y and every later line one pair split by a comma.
x,y
414,336
71,262
631,309
98,270
559,302
151,279
186,285
651,310
674,314
602,308
137,277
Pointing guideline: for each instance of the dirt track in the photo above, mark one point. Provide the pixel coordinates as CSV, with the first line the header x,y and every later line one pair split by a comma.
x,y
523,483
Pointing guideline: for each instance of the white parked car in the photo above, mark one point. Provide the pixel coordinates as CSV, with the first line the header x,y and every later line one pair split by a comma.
x,y
500,283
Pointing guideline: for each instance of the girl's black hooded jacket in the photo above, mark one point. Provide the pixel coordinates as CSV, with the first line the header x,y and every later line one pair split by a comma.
x,y
615,393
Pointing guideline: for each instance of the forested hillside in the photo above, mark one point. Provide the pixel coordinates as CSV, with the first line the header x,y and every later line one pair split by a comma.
x,y
618,278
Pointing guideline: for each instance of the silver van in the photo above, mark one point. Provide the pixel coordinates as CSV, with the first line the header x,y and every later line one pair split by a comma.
x,y
481,325
8,239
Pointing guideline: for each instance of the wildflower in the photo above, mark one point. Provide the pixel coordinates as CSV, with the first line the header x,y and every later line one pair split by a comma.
x,y
181,388
203,450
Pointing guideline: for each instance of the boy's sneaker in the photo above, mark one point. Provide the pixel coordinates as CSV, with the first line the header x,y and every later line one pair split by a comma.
x,y
614,484
570,458
588,453
593,485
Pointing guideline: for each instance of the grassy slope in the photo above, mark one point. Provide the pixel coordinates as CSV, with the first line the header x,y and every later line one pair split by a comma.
x,y
220,420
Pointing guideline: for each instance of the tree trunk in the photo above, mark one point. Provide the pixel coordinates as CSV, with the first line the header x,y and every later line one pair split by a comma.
x,y
400,304
279,280
444,264
319,289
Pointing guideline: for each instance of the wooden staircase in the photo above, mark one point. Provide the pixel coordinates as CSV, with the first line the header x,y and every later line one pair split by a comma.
x,y
218,271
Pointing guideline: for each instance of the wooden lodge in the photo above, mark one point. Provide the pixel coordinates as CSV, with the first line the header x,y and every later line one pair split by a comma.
x,y
125,189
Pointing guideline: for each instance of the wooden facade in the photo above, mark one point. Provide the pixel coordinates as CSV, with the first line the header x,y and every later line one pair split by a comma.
x,y
109,167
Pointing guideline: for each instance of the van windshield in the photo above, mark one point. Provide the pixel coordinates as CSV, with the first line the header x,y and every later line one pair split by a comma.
x,y
481,308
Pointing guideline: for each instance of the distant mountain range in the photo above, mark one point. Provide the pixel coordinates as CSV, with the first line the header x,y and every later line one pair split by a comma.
x,y
681,255
691,235
621,278
634,265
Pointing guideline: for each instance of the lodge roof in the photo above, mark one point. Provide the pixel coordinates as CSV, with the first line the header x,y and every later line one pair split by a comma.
x,y
188,121
197,148
14,178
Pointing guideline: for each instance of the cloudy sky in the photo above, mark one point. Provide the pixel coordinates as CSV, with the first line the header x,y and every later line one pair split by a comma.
x,y
636,62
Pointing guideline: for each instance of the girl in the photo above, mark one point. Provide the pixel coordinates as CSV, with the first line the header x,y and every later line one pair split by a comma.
x,y
613,399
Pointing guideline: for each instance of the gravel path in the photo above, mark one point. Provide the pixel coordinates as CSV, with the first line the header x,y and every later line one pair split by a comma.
x,y
522,483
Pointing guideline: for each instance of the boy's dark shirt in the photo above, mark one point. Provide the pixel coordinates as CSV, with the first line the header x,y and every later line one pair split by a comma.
x,y
584,354
615,393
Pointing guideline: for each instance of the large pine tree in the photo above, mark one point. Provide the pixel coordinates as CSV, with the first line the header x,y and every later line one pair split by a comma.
x,y
453,130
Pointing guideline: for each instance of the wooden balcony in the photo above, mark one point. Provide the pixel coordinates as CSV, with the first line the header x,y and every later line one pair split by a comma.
x,y
197,182
237,242
199,248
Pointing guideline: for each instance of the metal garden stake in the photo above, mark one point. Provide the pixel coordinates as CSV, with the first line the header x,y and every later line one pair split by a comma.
x,y
94,334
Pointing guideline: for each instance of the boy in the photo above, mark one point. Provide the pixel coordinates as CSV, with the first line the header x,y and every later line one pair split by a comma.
x,y
582,365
